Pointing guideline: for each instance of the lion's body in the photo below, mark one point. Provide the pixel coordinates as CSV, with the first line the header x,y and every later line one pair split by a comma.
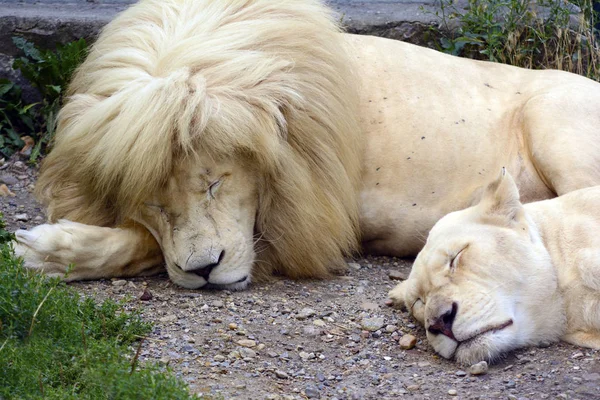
x,y
500,275
342,138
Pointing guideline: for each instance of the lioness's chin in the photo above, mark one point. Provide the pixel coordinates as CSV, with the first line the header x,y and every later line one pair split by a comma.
x,y
488,346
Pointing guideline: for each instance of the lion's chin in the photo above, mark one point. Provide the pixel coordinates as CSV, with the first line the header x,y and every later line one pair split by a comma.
x,y
192,281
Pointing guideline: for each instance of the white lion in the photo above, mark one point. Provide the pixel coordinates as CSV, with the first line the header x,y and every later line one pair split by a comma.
x,y
239,138
500,275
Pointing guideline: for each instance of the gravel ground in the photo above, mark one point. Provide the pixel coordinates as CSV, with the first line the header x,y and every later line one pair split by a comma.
x,y
313,339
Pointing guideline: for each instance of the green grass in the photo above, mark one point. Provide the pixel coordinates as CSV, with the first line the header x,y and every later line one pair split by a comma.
x,y
49,72
57,344
515,32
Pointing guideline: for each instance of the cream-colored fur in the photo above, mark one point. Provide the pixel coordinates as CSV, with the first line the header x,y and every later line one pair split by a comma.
x,y
339,138
500,275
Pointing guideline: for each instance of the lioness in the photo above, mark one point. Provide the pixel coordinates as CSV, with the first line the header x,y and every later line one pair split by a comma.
x,y
500,275
239,138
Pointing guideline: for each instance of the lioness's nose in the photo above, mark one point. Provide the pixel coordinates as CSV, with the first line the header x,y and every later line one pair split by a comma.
x,y
443,323
205,270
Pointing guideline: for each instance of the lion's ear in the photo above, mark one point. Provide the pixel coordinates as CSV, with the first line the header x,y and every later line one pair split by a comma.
x,y
500,200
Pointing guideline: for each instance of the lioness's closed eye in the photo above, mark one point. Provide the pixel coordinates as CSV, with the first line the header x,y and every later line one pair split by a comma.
x,y
486,281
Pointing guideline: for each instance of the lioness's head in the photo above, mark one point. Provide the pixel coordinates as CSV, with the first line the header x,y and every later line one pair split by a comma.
x,y
484,282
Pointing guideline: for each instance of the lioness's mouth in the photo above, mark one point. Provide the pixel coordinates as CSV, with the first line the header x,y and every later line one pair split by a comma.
x,y
481,332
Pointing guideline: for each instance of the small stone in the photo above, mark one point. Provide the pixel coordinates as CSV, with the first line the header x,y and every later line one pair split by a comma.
x,y
247,353
22,217
219,358
164,361
372,324
594,376
217,304
188,339
397,275
246,343
452,392
120,282
369,306
306,356
205,307
281,375
408,342
319,322
460,373
511,384
577,355
39,219
312,331
232,326
168,318
305,313
354,266
312,392
146,296
481,368
260,347
8,179
5,191
391,328
272,354
413,388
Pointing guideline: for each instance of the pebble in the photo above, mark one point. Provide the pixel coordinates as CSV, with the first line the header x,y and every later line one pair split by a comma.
x,y
577,355
369,306
5,191
22,217
281,375
219,358
119,282
372,324
217,304
481,368
413,388
397,275
247,353
319,322
391,328
452,392
232,326
246,343
8,179
460,373
146,296
305,313
169,318
354,266
312,392
408,342
306,356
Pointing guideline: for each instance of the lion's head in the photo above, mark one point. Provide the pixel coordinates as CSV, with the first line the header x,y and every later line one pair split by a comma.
x,y
484,283
227,129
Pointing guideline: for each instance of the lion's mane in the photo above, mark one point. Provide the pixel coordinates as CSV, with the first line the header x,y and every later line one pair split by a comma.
x,y
266,80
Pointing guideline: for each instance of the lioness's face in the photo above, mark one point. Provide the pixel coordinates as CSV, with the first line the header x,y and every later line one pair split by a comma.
x,y
204,223
484,283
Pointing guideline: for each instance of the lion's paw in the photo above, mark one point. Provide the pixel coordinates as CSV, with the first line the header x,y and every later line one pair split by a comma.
x,y
44,248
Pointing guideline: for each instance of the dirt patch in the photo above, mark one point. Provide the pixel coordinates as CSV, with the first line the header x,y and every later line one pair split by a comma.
x,y
312,339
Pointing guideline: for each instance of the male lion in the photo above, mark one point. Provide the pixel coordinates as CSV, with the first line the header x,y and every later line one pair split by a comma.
x,y
235,138
500,275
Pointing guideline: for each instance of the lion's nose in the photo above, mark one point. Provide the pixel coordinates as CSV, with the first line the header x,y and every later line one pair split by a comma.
x,y
205,270
443,323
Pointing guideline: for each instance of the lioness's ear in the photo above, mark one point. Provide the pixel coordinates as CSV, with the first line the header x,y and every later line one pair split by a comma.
x,y
501,199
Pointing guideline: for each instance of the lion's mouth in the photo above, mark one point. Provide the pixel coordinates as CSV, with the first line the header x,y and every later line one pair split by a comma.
x,y
480,332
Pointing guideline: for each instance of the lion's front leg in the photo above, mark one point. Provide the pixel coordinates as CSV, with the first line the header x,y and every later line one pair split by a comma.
x,y
95,252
